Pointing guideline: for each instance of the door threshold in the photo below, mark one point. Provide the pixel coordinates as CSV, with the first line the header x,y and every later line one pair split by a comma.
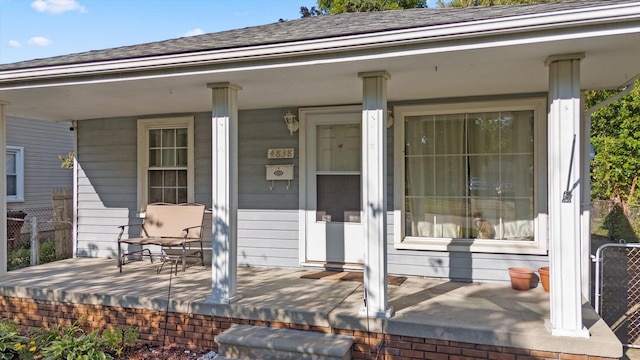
x,y
334,266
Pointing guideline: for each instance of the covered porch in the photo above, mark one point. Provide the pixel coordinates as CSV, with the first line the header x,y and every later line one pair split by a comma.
x,y
432,317
552,54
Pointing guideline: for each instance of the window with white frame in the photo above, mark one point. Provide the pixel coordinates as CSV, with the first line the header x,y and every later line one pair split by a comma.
x,y
165,155
470,176
15,173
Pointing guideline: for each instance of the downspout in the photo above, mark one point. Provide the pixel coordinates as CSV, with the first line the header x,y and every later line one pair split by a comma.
x,y
585,203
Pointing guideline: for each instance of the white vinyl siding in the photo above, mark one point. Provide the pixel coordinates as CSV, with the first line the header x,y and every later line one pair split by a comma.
x,y
267,218
108,183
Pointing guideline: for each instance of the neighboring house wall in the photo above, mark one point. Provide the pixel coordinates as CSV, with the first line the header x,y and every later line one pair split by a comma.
x,y
268,219
42,142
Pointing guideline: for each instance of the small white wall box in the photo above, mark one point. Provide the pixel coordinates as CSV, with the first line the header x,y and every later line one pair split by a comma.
x,y
280,172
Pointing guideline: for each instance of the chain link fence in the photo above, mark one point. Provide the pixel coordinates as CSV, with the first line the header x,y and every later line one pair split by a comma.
x,y
617,297
39,235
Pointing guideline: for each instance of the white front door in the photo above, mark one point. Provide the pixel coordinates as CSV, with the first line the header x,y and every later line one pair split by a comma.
x,y
333,233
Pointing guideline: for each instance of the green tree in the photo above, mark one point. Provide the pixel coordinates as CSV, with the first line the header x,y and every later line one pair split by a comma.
x,y
309,12
341,6
615,136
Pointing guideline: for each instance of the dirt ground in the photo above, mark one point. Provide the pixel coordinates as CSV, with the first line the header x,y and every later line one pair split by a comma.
x,y
170,352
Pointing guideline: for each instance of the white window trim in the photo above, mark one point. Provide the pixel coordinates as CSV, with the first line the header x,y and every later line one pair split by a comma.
x,y
540,243
19,151
144,125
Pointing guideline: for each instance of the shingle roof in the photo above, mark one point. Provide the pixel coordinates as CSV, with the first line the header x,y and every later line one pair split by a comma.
x,y
320,27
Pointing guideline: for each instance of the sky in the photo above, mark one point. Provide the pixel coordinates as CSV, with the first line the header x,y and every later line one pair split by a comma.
x,y
34,29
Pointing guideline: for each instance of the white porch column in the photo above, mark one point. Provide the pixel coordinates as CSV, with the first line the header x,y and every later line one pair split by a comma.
x,y
224,155
3,188
374,192
564,161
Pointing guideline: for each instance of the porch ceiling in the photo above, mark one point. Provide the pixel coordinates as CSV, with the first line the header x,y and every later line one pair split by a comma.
x,y
442,70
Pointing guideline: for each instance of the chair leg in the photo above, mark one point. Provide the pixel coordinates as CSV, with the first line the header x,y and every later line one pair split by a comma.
x,y
184,259
120,256
162,265
149,252
201,254
172,263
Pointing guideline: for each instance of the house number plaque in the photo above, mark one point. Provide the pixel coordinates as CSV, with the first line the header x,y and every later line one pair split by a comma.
x,y
280,153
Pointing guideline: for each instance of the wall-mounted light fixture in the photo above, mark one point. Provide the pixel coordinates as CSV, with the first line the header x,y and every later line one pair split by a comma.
x,y
291,121
389,118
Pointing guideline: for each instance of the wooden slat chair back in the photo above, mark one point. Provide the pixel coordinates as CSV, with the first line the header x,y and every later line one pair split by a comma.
x,y
173,227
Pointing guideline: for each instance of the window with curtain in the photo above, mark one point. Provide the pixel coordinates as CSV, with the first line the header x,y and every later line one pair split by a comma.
x,y
470,175
166,155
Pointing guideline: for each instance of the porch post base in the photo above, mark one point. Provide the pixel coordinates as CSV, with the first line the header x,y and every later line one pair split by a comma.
x,y
387,314
581,333
212,299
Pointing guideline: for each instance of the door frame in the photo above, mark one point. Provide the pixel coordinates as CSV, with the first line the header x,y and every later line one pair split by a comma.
x,y
303,114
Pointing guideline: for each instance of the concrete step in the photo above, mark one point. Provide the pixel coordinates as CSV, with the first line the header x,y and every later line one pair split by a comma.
x,y
258,342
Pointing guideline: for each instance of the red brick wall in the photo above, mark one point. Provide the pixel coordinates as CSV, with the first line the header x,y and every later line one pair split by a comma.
x,y
199,331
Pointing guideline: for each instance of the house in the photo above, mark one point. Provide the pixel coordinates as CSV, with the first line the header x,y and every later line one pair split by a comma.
x,y
446,143
33,167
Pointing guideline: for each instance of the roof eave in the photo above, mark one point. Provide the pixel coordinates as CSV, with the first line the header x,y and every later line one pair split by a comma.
x,y
559,20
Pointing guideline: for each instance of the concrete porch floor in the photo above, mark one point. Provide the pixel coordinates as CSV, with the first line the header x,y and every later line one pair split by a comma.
x,y
474,313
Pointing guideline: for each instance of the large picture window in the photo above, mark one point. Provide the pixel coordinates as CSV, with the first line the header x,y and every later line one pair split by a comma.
x,y
470,175
166,156
15,173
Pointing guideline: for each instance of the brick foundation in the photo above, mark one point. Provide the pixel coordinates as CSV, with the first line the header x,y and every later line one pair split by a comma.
x,y
199,331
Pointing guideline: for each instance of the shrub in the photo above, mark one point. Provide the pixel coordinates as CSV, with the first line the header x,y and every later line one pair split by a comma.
x,y
11,343
64,342
47,252
19,259
71,347
116,340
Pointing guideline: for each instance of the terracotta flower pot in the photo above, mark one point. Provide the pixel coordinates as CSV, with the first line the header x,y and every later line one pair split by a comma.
x,y
520,278
544,277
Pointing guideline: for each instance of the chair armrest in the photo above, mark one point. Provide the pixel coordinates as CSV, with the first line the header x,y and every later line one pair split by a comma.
x,y
122,227
186,231
192,227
